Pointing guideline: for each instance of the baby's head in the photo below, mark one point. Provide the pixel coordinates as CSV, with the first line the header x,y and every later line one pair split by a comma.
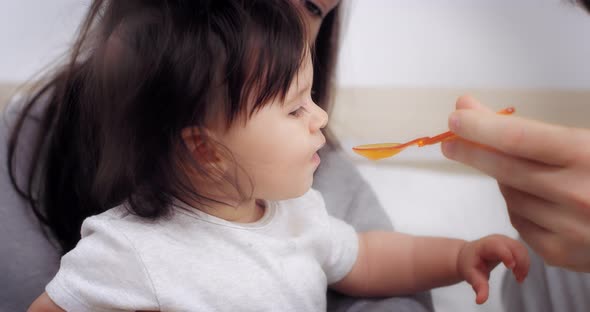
x,y
202,99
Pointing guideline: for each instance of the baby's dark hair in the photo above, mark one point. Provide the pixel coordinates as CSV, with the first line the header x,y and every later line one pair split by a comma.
x,y
139,73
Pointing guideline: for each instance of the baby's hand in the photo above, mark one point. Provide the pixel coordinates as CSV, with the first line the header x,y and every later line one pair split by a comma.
x,y
478,258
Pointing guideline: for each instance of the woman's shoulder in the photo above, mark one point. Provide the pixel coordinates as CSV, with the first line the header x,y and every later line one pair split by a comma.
x,y
16,103
335,169
348,196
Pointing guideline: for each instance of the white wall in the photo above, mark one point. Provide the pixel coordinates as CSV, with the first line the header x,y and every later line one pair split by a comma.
x,y
415,43
466,43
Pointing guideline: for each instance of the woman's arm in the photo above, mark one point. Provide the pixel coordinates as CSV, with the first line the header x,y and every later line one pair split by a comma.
x,y
544,174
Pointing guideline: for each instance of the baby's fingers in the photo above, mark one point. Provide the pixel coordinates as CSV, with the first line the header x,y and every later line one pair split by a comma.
x,y
498,250
521,257
479,283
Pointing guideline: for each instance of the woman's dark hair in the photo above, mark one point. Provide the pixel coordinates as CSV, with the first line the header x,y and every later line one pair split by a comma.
x,y
325,52
139,72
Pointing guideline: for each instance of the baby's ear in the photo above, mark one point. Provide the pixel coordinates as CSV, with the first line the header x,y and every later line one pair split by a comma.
x,y
199,144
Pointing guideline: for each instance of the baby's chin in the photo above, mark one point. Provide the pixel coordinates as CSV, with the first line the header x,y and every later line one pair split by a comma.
x,y
304,189
291,193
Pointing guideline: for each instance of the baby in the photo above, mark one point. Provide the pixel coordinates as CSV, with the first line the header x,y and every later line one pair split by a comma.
x,y
196,123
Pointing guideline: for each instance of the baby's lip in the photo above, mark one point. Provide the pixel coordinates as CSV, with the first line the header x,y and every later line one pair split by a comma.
x,y
323,142
321,145
318,147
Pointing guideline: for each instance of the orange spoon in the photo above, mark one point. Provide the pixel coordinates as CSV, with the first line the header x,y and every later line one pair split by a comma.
x,y
384,150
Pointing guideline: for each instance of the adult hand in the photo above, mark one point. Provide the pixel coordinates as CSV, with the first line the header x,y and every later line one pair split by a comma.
x,y
543,171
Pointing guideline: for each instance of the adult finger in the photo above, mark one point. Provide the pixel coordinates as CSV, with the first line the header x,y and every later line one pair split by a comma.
x,y
531,177
543,241
468,102
533,208
529,139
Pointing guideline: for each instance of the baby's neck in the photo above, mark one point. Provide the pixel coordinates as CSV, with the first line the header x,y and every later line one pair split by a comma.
x,y
245,212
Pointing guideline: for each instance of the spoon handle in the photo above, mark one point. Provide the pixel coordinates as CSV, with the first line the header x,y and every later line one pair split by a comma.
x,y
450,135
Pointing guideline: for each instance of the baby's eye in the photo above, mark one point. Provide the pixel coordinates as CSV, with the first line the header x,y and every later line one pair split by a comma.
x,y
312,8
298,112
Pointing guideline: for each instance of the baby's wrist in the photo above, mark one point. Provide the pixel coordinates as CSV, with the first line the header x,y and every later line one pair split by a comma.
x,y
461,257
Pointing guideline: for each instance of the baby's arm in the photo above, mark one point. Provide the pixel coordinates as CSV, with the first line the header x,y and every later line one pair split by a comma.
x,y
44,304
390,263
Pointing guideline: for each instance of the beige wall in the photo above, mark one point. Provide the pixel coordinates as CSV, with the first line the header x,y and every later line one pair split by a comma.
x,y
385,114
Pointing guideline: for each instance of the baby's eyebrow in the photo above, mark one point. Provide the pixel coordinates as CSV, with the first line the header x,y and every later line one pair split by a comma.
x,y
300,92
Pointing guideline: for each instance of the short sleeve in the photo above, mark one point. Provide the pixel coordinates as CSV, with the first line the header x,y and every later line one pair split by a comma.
x,y
103,273
343,250
340,242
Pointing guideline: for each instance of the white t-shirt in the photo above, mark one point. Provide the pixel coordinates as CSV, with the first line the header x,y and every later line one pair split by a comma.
x,y
194,261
